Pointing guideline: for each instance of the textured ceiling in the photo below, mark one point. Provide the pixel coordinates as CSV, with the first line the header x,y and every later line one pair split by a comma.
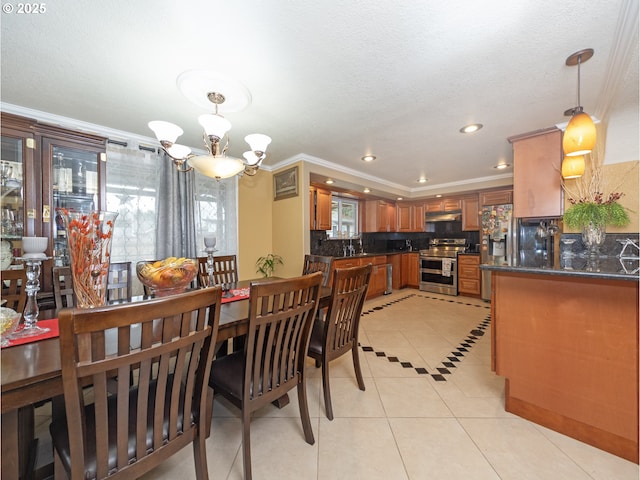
x,y
333,80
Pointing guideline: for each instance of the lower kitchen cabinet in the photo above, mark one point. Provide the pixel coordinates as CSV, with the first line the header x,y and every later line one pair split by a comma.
x,y
396,272
410,269
378,280
469,275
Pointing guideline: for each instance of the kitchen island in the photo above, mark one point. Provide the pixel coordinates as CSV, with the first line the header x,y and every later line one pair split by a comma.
x,y
566,341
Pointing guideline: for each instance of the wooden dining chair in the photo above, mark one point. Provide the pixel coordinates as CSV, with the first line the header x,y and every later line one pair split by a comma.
x,y
63,288
318,263
126,434
13,289
338,333
225,270
119,281
273,360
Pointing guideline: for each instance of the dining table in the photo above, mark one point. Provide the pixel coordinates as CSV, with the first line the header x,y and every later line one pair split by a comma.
x,y
31,373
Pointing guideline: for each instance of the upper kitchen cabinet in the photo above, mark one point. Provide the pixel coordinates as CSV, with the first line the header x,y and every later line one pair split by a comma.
x,y
47,168
438,205
410,217
496,197
537,186
320,209
471,213
380,216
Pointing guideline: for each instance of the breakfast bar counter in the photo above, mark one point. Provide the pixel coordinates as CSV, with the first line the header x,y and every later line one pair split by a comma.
x,y
566,342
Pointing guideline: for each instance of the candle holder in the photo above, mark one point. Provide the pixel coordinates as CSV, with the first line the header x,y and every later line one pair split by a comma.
x,y
30,328
210,243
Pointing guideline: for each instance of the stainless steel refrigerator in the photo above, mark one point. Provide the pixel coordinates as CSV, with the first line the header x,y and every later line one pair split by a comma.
x,y
498,241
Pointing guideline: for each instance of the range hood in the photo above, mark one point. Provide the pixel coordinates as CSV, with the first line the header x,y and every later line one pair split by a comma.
x,y
444,217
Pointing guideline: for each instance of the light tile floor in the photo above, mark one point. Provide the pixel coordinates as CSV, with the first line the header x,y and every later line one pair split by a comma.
x,y
406,425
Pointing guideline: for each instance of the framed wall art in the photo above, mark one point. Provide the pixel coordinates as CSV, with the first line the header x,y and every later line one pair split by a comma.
x,y
285,184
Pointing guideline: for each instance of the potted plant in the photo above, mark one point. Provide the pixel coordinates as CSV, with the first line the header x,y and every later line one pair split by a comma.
x,y
267,264
592,210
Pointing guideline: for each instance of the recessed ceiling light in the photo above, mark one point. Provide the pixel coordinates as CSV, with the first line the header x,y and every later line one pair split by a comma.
x,y
473,127
399,198
328,181
366,190
423,180
502,166
439,195
368,158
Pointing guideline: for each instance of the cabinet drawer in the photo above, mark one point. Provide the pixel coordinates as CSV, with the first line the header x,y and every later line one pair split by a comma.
x,y
468,271
466,285
468,260
346,263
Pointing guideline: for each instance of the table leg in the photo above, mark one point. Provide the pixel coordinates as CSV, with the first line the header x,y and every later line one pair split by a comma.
x,y
10,463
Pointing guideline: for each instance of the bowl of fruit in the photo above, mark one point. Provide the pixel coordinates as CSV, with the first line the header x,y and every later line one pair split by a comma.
x,y
167,277
9,320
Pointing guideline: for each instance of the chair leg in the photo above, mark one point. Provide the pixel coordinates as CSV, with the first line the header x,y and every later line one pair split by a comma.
x,y
200,456
246,443
304,410
326,389
356,365
58,470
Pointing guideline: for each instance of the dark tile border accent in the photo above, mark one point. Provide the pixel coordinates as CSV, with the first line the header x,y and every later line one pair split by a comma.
x,y
450,362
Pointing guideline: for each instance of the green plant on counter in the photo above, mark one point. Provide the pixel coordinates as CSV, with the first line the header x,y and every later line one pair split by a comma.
x,y
267,264
597,212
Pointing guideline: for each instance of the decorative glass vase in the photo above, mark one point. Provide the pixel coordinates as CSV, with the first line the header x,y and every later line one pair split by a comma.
x,y
89,244
593,236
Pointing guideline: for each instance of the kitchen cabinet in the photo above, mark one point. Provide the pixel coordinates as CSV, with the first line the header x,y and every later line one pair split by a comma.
x,y
469,275
396,270
405,217
49,168
437,205
380,216
537,182
496,197
320,201
410,269
378,282
410,217
471,213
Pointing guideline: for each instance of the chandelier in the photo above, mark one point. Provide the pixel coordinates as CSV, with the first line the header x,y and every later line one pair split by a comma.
x,y
205,88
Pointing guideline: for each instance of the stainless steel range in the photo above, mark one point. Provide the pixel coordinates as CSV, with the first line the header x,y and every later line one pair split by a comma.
x,y
439,265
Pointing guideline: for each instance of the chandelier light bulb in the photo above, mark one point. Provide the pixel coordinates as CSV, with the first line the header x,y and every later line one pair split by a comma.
x,y
165,131
251,157
178,151
258,142
214,125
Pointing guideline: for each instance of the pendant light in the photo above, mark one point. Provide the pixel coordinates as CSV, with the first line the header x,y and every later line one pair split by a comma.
x,y
573,167
580,135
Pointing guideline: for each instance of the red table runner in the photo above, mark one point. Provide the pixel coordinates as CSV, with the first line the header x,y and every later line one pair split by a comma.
x,y
53,332
237,294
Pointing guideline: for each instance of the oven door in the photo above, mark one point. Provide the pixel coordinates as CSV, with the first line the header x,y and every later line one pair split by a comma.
x,y
433,278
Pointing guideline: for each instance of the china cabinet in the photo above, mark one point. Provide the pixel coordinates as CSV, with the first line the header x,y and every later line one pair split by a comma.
x,y
44,168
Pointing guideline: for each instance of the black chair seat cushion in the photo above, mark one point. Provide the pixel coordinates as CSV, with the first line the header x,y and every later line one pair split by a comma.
x,y
60,437
317,337
227,373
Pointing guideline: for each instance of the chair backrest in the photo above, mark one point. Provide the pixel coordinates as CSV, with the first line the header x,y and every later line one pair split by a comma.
x,y
13,289
281,313
318,263
63,288
225,270
162,398
119,282
348,294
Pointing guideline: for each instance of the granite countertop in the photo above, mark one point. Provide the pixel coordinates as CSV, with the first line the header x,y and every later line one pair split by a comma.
x,y
377,254
603,267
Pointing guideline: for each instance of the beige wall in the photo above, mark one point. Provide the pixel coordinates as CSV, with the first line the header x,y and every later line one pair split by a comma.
x,y
255,205
268,226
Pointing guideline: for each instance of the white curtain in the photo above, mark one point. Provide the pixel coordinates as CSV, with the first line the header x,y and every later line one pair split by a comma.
x,y
163,212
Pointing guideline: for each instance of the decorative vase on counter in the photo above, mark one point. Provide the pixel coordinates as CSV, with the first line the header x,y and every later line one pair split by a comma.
x,y
593,236
89,245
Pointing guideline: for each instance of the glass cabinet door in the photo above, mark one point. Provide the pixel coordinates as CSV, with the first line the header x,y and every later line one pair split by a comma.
x,y
75,187
12,203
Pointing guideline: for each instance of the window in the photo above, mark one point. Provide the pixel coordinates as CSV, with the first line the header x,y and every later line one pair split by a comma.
x,y
344,217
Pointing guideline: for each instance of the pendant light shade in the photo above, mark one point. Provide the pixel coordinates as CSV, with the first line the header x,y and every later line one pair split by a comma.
x,y
573,167
580,136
